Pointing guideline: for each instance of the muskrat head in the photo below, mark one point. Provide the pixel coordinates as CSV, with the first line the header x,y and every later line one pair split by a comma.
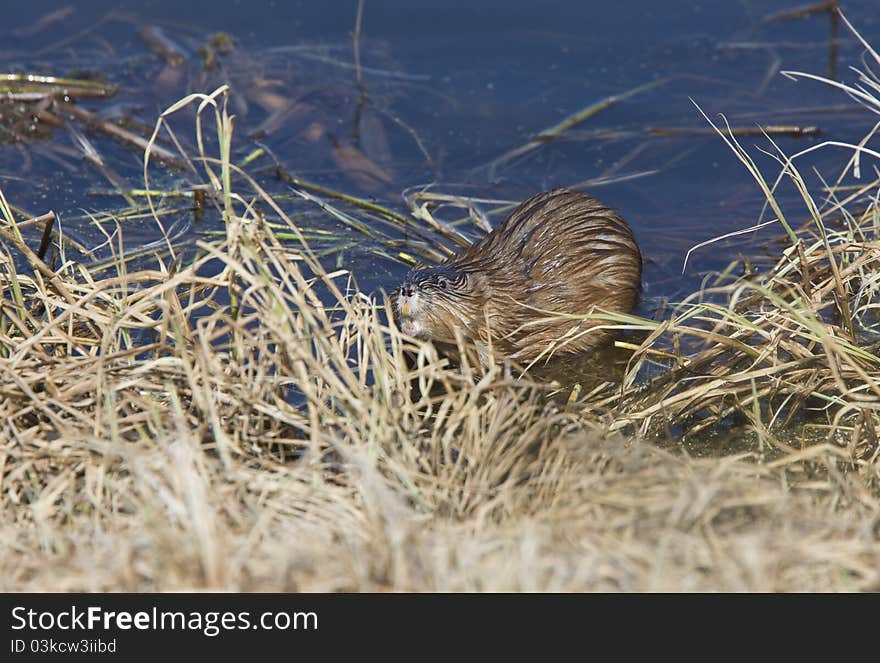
x,y
432,302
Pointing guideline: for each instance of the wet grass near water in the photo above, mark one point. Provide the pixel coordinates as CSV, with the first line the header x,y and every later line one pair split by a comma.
x,y
243,416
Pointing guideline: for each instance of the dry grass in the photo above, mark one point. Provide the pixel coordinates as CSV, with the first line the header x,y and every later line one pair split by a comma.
x,y
253,422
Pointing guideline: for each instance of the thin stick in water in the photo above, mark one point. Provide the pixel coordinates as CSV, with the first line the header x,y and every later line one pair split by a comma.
x,y
551,133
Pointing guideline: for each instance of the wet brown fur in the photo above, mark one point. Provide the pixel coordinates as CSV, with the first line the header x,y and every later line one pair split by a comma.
x,y
559,252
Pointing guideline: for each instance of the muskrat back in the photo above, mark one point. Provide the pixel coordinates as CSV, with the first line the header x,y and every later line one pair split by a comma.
x,y
558,254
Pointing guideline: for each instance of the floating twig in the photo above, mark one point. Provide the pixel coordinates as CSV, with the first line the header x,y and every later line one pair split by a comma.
x,y
124,135
552,133
396,219
831,6
793,130
76,87
773,130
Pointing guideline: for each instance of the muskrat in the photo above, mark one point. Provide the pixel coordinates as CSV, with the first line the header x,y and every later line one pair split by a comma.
x,y
558,253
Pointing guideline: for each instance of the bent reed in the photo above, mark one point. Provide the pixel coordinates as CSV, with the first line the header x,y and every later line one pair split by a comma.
x,y
252,421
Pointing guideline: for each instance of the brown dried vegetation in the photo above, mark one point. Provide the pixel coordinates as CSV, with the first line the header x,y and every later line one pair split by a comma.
x,y
262,426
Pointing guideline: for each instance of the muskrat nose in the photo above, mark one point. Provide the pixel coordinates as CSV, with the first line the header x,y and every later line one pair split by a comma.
x,y
406,291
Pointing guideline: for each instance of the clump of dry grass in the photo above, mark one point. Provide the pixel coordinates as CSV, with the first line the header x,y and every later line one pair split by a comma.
x,y
251,421
799,342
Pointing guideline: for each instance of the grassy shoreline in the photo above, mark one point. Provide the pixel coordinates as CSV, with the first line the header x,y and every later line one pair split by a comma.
x,y
150,442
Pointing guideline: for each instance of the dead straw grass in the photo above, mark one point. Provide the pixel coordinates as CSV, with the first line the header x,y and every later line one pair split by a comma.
x,y
253,422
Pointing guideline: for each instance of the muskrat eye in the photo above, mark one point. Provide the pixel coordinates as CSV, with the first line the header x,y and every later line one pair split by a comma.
x,y
441,283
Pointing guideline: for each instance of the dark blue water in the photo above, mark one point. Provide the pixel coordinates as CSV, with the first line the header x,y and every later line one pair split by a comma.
x,y
452,86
